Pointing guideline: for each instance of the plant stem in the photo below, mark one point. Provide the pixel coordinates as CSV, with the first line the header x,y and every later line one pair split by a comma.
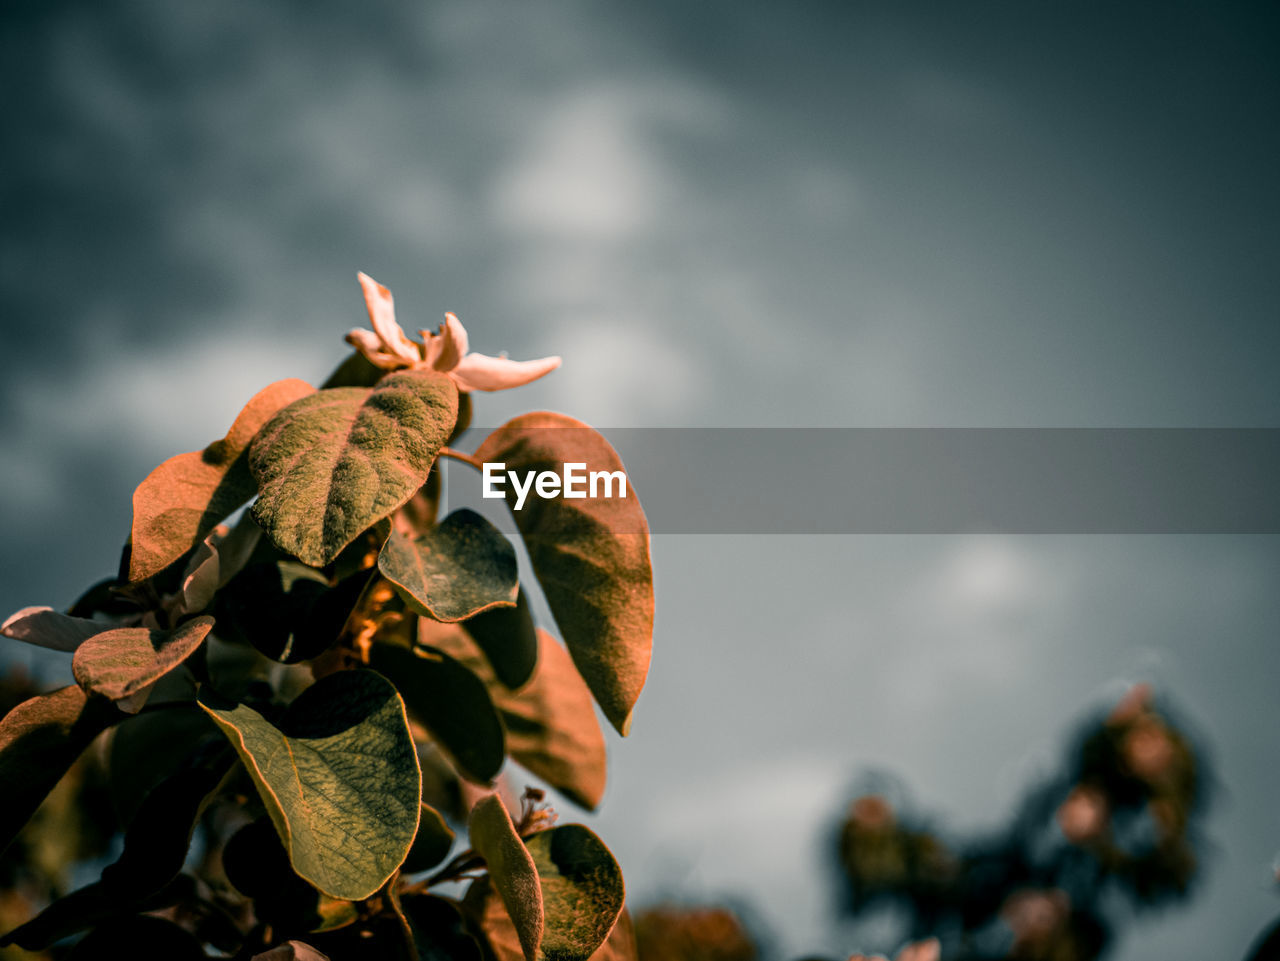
x,y
459,455
466,861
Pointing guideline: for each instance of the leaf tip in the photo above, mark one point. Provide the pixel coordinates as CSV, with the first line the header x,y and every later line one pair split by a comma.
x,y
625,727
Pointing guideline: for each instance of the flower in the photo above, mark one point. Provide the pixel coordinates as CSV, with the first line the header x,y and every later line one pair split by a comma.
x,y
387,346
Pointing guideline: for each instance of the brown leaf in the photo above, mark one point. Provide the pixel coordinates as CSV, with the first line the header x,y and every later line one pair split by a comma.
x,y
590,555
334,463
511,870
551,722
582,890
39,740
486,910
454,570
181,500
124,662
621,944
552,728
45,627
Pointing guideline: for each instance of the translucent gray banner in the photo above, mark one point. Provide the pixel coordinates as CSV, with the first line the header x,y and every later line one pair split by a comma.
x,y
927,481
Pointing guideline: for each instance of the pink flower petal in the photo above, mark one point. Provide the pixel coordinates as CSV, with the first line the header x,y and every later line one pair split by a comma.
x,y
431,347
481,372
366,341
453,343
382,314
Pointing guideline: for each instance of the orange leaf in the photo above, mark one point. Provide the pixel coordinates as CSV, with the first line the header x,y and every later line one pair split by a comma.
x,y
185,497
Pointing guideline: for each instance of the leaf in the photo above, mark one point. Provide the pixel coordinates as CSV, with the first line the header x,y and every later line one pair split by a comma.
x,y
126,661
442,787
291,951
591,556
465,408
105,597
200,579
355,371
145,749
440,930
269,604
511,870
418,513
362,553
507,637
621,943
39,740
181,500
552,728
432,845
330,465
215,562
324,622
156,843
84,908
257,865
155,847
339,778
488,914
68,915
454,570
45,627
550,723
582,891
139,938
451,702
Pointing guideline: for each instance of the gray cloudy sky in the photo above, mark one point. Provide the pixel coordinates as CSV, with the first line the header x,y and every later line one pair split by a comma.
x,y
723,214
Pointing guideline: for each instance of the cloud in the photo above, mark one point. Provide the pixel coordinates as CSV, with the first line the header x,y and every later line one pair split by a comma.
x,y
138,407
948,98
621,372
587,173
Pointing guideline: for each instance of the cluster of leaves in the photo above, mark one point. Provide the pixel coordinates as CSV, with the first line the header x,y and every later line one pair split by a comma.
x,y
304,703
1117,831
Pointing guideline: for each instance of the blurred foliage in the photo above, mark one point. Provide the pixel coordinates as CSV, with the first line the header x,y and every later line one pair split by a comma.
x,y
1118,831
1115,832
674,933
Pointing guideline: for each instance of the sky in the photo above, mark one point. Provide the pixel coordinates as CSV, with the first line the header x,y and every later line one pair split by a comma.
x,y
720,214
